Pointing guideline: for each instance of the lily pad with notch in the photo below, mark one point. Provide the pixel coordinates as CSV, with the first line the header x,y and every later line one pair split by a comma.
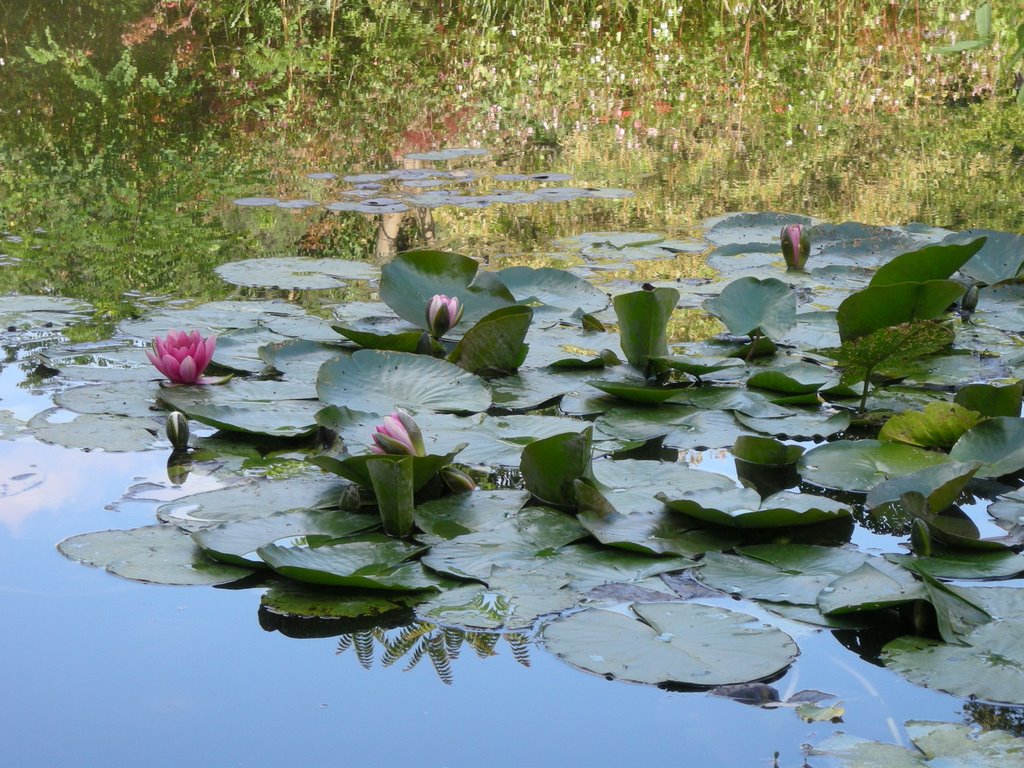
x,y
681,643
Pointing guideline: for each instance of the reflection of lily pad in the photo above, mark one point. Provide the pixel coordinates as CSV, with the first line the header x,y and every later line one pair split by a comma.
x,y
683,643
294,272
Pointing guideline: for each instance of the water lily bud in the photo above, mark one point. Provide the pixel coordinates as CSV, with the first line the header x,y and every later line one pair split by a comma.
x,y
350,500
796,246
177,430
179,465
969,301
457,480
443,314
399,435
920,538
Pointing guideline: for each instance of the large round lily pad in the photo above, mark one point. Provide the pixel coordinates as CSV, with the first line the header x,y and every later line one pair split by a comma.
x,y
161,554
683,643
859,465
990,667
377,382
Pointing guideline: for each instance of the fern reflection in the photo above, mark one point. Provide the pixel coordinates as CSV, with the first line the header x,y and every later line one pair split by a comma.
x,y
417,640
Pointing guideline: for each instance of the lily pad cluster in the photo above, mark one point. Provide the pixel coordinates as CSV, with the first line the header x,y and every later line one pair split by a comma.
x,y
852,393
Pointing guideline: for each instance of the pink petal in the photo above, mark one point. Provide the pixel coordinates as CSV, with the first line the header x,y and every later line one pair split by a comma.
x,y
187,373
169,368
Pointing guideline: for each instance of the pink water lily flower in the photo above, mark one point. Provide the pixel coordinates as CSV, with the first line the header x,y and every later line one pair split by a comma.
x,y
399,435
182,357
443,314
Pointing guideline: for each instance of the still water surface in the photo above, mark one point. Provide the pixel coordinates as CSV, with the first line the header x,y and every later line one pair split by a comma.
x,y
105,672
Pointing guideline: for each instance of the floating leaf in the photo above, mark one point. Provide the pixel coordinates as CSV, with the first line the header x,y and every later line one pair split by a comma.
x,y
744,508
643,318
939,425
859,465
365,562
160,554
780,573
408,282
494,346
872,309
378,382
991,399
683,643
997,443
940,484
551,466
938,744
932,262
750,306
555,289
990,666
236,542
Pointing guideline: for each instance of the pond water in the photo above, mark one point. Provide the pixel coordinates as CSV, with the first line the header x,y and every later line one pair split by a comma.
x,y
111,207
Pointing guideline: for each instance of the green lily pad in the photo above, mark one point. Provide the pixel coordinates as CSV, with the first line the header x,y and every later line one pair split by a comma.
x,y
364,562
939,745
646,528
463,513
248,408
236,542
358,468
684,643
253,499
97,431
964,565
517,544
159,554
494,346
549,289
749,306
779,573
294,272
408,341
411,279
873,585
991,399
940,484
793,379
990,666
860,465
551,466
997,443
939,425
643,319
744,508
378,382
932,262
999,259
636,391
884,306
